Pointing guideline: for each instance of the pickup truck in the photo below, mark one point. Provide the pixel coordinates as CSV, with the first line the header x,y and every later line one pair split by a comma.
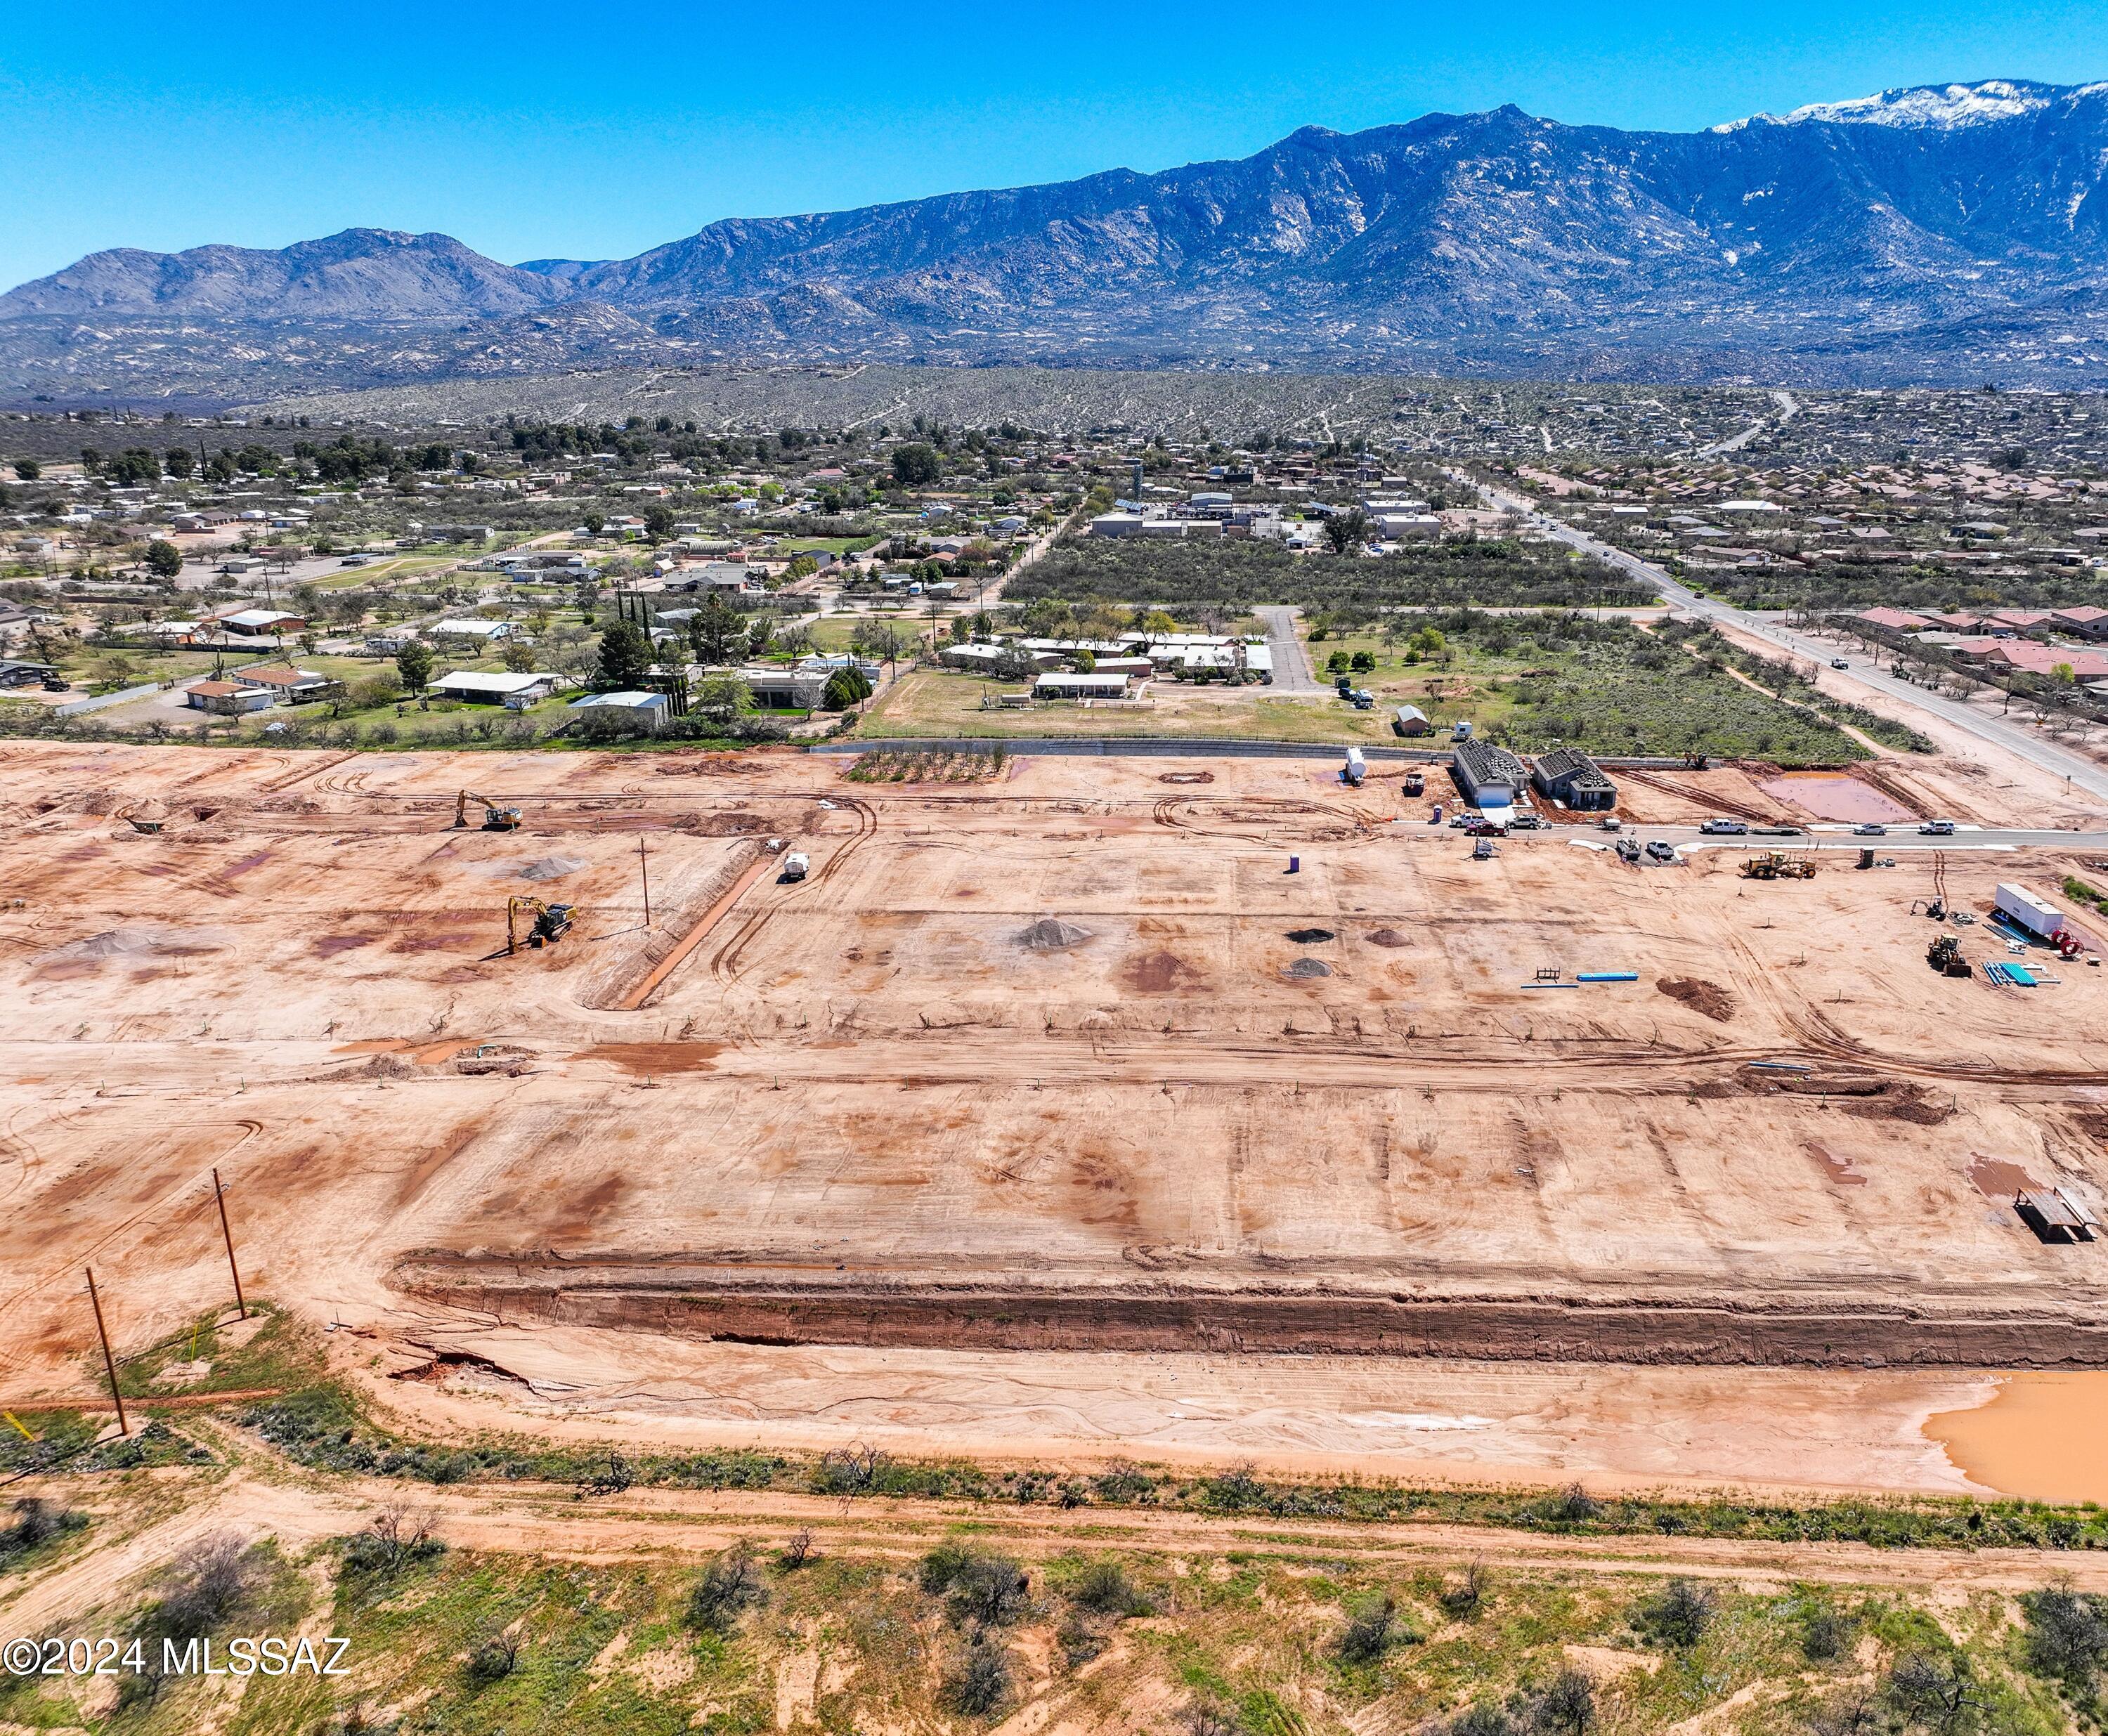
x,y
1838,663
1725,828
1658,852
1937,828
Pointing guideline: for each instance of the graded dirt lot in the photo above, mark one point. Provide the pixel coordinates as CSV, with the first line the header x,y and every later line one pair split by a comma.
x,y
848,1153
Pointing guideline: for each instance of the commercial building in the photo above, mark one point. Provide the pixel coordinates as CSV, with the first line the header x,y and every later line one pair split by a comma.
x,y
1570,777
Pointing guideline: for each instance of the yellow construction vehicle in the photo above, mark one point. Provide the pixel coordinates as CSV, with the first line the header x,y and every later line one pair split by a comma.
x,y
495,818
1775,864
551,922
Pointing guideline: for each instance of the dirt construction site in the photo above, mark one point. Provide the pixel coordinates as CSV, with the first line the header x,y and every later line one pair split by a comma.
x,y
1049,1113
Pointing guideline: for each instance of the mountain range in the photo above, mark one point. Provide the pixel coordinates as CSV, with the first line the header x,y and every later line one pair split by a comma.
x,y
1941,235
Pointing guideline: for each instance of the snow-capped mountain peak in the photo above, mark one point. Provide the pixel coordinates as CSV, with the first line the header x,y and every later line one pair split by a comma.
x,y
1936,106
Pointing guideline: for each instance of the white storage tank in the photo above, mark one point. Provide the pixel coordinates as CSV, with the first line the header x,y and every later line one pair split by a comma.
x,y
2022,907
1355,770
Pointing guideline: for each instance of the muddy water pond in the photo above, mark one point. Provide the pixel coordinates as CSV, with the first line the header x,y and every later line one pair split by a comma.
x,y
2043,1437
1834,795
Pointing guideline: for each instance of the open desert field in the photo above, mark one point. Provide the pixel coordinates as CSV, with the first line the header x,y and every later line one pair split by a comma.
x,y
1050,1114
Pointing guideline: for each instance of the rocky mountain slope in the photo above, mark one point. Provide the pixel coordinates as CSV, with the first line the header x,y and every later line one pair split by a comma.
x,y
1947,234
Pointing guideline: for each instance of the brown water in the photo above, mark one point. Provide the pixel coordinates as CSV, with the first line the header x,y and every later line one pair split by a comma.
x,y
1834,795
2042,1437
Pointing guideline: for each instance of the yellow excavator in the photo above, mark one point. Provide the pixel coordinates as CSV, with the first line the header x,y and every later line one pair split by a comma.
x,y
551,924
495,818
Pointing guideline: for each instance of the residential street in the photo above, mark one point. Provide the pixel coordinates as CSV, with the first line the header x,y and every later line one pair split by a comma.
x,y
2024,744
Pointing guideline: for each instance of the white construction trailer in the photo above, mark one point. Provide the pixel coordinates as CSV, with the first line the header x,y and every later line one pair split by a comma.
x,y
2021,908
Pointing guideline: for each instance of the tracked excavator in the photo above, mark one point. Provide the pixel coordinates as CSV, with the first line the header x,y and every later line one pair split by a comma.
x,y
496,818
548,924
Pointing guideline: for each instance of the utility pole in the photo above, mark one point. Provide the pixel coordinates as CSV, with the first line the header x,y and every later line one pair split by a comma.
x,y
109,1361
644,871
227,1236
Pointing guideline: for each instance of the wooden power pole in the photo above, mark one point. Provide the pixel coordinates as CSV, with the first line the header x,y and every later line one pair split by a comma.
x,y
109,1361
227,1236
644,871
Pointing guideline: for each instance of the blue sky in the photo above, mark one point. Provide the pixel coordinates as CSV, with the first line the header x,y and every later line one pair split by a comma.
x,y
531,130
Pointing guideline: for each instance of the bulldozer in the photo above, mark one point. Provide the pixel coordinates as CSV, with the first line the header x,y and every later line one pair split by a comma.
x,y
1775,864
496,818
551,924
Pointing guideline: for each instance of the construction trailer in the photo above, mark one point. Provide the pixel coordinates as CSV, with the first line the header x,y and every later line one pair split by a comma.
x,y
2035,915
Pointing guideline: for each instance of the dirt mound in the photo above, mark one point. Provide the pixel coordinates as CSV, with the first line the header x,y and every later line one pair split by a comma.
x,y
1903,1101
1307,968
1050,934
1185,777
384,1067
736,823
1699,995
141,940
1387,938
553,867
1310,937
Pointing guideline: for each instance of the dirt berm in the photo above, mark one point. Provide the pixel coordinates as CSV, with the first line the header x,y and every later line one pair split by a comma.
x,y
686,1298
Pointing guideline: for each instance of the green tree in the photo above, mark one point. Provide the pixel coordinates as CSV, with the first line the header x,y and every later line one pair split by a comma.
x,y
1346,530
520,657
915,465
845,687
593,521
625,655
711,630
164,559
413,663
659,521
178,461
28,469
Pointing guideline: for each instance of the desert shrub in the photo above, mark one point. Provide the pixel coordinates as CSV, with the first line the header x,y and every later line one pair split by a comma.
x,y
1371,1630
1105,1588
2067,1635
983,1587
37,1521
978,1681
1677,1616
730,1586
493,1657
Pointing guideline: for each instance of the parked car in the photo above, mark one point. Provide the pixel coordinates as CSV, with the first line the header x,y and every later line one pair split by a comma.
x,y
1726,827
1937,828
1526,823
1869,829
1659,851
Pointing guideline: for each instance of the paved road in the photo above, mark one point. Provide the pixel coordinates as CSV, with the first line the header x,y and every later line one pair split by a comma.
x,y
2075,769
1291,662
